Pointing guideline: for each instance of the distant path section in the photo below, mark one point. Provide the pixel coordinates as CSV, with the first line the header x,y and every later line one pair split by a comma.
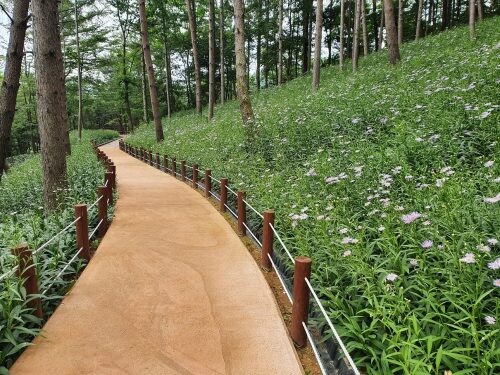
x,y
170,290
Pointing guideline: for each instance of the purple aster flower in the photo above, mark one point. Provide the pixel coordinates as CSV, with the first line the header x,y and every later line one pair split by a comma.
x,y
468,258
391,277
411,217
427,244
490,320
494,265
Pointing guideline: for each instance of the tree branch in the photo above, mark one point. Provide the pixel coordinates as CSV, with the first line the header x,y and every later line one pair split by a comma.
x,y
6,13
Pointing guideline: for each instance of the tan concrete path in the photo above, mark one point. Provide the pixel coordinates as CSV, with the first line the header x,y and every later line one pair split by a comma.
x,y
171,290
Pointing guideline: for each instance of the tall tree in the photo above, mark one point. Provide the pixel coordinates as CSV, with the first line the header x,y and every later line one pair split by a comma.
x,y
401,6
374,22
144,89
51,100
472,19
221,37
341,36
306,19
365,32
12,74
211,58
280,42
242,90
79,69
317,44
125,20
480,12
418,30
392,34
355,49
153,95
196,61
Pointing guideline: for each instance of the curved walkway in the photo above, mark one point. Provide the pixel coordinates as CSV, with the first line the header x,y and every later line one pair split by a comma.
x,y
170,290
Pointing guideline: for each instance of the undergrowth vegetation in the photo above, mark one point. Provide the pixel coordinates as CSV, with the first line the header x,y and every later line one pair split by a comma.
x,y
389,179
22,221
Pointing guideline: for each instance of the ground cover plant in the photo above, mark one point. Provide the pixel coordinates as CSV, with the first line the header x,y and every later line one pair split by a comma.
x,y
22,221
389,180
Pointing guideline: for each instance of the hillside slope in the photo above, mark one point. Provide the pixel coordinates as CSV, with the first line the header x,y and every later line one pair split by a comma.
x,y
389,179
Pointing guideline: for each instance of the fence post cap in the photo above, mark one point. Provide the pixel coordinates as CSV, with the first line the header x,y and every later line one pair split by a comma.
x,y
303,260
269,211
80,205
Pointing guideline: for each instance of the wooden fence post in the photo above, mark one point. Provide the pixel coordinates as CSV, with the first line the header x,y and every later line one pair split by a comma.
x,y
102,210
158,165
242,212
108,181
174,166
300,307
208,182
267,239
82,231
223,194
27,272
112,169
195,176
183,170
165,163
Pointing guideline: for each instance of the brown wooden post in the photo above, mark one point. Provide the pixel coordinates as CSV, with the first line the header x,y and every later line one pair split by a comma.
x,y
174,166
300,308
242,212
27,272
82,231
165,163
113,180
158,165
208,182
267,239
109,180
151,158
223,194
102,210
183,170
195,176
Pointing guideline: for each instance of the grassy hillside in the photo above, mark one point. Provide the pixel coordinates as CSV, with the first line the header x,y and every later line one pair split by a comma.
x,y
389,179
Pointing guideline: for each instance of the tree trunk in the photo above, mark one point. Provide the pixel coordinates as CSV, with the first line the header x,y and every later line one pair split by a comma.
x,y
374,22
480,12
365,32
317,44
144,89
12,74
458,9
168,80
306,10
472,19
126,83
392,34
341,36
259,47
155,105
355,43
211,59
280,42
241,72
401,5
51,100
381,29
419,19
197,74
79,70
221,37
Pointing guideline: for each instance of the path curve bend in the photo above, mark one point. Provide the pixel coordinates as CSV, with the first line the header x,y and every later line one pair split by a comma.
x,y
170,290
